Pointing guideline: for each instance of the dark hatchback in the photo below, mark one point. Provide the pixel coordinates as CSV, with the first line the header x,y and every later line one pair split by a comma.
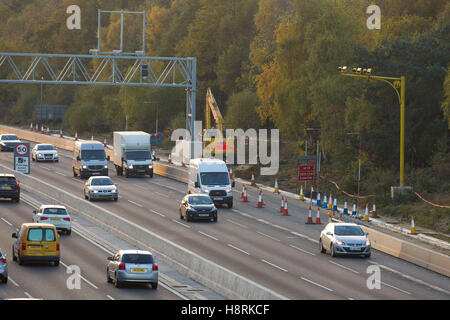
x,y
9,187
199,207
8,142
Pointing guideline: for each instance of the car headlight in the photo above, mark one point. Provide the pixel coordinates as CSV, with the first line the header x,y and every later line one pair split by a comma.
x,y
150,167
85,167
106,166
95,191
339,242
228,190
368,242
130,166
205,190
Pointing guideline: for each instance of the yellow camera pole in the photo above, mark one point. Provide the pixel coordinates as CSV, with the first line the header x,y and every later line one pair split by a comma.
x,y
395,83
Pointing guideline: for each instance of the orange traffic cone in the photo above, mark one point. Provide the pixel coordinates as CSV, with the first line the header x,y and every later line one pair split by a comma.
x,y
231,173
309,221
245,198
260,200
37,127
169,160
282,204
285,211
42,129
105,144
183,164
76,135
253,179
374,211
301,196
31,126
60,133
318,216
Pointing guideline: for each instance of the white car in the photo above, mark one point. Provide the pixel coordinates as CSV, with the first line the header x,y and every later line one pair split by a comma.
x,y
56,215
44,152
102,187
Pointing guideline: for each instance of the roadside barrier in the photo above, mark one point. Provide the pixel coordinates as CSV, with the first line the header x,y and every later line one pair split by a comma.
x,y
429,202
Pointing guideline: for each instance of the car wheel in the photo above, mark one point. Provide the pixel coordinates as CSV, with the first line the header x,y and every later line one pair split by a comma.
x,y
322,249
69,232
108,278
117,282
13,255
154,286
56,263
181,215
367,255
332,251
5,280
115,199
230,205
19,261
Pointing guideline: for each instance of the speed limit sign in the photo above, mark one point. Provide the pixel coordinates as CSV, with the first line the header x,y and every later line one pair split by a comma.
x,y
22,158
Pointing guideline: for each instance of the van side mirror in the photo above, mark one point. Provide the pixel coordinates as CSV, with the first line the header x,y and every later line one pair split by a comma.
x,y
196,185
14,235
110,258
108,158
78,158
34,212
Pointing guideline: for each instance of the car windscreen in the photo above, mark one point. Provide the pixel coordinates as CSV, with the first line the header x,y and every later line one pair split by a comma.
x,y
137,258
214,178
102,182
199,200
38,234
56,211
93,155
9,137
7,180
348,231
46,147
138,155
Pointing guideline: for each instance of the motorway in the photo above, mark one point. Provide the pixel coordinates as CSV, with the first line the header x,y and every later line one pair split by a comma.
x,y
280,253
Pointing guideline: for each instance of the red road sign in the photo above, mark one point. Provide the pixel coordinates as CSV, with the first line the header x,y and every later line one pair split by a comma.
x,y
306,173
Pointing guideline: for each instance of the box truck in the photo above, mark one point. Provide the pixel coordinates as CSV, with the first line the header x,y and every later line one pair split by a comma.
x,y
132,154
211,176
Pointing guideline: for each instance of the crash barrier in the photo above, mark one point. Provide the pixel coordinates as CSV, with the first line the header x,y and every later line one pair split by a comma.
x,y
399,248
225,282
429,202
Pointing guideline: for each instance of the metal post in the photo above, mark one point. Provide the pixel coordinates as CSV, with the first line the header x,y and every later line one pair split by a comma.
x,y
121,31
402,133
99,29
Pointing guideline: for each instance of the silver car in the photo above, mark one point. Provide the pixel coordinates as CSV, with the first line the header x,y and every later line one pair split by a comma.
x,y
56,215
132,266
101,187
44,152
344,239
3,267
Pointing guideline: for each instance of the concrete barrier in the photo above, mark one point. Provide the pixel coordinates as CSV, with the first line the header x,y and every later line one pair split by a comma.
x,y
421,256
206,272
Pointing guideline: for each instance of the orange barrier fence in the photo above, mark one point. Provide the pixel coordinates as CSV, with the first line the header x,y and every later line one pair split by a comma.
x,y
433,204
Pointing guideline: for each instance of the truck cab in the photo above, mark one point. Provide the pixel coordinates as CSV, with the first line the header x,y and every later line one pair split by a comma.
x,y
89,159
211,177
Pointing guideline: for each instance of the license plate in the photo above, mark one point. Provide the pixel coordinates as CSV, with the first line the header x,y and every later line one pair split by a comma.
x,y
95,173
218,198
56,219
354,249
137,270
204,215
6,188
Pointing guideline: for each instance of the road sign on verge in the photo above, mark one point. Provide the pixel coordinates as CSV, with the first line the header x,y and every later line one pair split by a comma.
x,y
306,168
22,158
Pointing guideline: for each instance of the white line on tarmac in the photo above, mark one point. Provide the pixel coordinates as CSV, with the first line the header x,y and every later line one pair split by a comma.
x,y
184,225
347,268
266,235
61,174
209,236
391,286
274,265
14,283
136,204
238,224
28,295
158,213
7,222
109,297
300,249
238,249
314,283
86,280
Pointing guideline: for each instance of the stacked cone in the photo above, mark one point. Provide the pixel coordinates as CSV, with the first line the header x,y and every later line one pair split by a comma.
x,y
253,179
282,204
413,226
260,200
285,209
245,198
366,213
318,216
374,211
309,221
345,207
60,133
169,160
301,195
76,136
275,188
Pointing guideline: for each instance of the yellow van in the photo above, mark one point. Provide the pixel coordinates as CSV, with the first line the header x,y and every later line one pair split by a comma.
x,y
36,242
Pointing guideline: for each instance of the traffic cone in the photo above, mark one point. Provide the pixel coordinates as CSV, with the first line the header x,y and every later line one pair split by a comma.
x,y
318,199
260,200
335,204
242,193
31,126
309,221
42,129
76,135
245,198
413,226
183,164
105,144
169,160
330,202
37,127
329,216
345,207
275,188
366,213
60,133
231,173
282,204
253,179
301,195
325,204
48,131
92,137
354,209
374,211
285,210
318,216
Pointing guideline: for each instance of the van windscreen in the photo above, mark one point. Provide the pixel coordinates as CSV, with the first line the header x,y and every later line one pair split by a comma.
x,y
93,155
214,178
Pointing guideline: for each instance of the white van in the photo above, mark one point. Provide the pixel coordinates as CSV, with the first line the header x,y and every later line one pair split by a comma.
x,y
211,176
89,159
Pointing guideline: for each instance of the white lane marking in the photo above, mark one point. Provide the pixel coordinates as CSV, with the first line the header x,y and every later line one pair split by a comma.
x,y
391,286
238,224
86,280
160,214
136,204
300,249
140,187
48,169
274,265
109,297
77,180
7,222
315,283
266,235
28,295
238,249
184,225
207,235
61,174
347,268
14,283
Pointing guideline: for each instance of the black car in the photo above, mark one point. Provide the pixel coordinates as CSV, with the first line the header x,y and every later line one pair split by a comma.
x,y
8,142
9,187
198,206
